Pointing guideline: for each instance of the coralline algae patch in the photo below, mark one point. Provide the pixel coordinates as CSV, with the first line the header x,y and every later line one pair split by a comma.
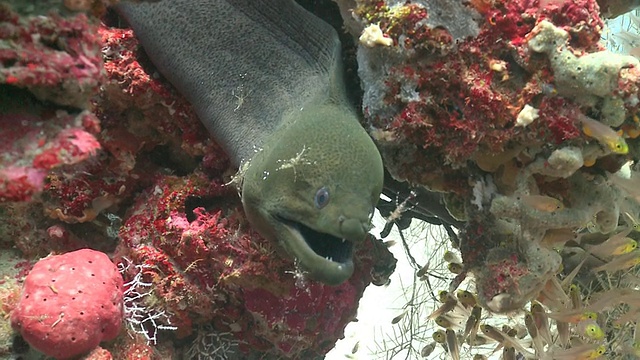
x,y
134,171
206,266
458,97
57,61
496,102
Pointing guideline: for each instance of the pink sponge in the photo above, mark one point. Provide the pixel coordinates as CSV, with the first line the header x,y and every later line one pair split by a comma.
x,y
70,303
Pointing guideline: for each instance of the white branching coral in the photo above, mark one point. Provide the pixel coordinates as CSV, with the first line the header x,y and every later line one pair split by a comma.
x,y
142,319
213,345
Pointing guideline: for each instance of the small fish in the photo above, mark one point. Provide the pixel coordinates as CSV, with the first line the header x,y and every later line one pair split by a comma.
x,y
576,296
569,279
542,323
632,221
428,349
553,294
617,244
449,304
467,298
455,268
630,185
444,322
509,331
355,347
389,243
564,333
542,202
621,262
603,134
492,333
521,330
479,340
590,329
439,337
443,296
397,319
505,340
452,344
451,257
580,352
573,316
538,346
509,353
555,237
423,270
473,323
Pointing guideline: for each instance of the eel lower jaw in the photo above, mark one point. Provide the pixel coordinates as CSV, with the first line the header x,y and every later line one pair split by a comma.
x,y
326,258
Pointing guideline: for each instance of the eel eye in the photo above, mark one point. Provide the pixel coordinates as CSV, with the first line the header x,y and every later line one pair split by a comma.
x,y
322,198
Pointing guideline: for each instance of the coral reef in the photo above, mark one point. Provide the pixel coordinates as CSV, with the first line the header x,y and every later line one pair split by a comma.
x,y
521,111
245,289
56,62
70,303
512,109
101,153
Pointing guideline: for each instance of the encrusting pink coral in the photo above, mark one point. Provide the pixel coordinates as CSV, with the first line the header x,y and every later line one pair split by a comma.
x,y
70,303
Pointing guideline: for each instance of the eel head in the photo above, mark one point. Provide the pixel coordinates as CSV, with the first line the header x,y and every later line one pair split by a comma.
x,y
312,188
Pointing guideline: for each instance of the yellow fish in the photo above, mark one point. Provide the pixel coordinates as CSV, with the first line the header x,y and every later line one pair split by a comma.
x,y
580,352
604,135
443,296
617,244
576,296
590,329
467,298
542,202
573,316
621,262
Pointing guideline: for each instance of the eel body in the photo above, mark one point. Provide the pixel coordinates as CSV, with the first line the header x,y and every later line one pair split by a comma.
x,y
265,78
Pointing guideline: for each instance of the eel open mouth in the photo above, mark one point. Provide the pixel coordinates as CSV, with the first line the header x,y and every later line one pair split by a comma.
x,y
327,246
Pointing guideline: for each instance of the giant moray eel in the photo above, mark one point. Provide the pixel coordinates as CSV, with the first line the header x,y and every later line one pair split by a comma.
x,y
265,78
